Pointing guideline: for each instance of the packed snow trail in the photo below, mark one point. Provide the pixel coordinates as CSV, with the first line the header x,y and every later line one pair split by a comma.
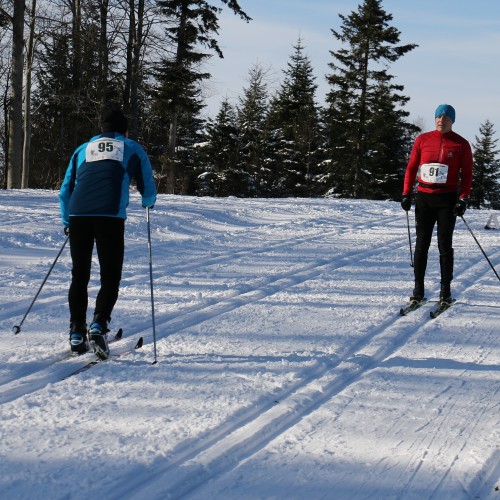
x,y
62,367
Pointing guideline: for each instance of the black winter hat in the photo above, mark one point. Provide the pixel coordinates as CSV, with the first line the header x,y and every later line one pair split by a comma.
x,y
113,120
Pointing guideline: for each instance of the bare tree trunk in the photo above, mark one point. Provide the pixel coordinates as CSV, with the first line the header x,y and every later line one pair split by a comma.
x,y
136,71
133,71
76,33
103,52
170,161
27,98
5,111
16,99
129,55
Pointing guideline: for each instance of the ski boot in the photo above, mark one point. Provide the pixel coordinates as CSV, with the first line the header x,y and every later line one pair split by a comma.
x,y
418,292
445,297
78,338
417,299
98,340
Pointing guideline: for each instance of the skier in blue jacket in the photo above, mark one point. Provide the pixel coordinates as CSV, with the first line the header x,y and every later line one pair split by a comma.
x,y
93,198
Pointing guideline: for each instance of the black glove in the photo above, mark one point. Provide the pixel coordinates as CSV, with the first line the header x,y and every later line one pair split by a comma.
x,y
66,230
460,207
406,202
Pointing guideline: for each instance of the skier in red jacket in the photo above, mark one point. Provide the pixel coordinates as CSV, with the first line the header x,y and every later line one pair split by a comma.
x,y
443,161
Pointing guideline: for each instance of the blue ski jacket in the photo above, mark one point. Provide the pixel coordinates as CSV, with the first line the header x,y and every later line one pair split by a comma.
x,y
98,178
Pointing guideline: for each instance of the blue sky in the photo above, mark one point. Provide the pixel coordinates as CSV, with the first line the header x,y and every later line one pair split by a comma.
x,y
457,60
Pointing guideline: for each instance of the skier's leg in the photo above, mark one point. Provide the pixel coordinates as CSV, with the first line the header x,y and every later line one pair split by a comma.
x,y
445,227
425,219
81,245
110,236
81,240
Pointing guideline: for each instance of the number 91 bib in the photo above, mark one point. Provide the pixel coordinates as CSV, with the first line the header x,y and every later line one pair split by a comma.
x,y
434,173
104,149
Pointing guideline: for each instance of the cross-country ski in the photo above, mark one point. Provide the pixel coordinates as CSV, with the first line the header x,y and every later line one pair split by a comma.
x,y
441,308
413,305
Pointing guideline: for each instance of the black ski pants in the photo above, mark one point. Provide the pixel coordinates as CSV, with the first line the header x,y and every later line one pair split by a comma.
x,y
429,210
108,233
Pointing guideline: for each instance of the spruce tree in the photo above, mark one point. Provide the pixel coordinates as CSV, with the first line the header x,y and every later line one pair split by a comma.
x,y
66,110
52,137
252,171
294,128
486,177
192,28
363,99
220,154
387,146
73,79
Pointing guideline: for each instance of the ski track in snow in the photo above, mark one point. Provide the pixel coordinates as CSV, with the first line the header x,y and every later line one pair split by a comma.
x,y
320,244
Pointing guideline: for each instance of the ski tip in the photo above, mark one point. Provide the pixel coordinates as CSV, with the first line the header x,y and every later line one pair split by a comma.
x,y
139,343
119,334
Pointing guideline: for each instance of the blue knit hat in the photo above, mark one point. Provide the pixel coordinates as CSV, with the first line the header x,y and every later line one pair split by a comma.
x,y
445,109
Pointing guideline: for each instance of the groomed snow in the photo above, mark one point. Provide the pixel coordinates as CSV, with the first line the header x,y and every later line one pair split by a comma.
x,y
284,369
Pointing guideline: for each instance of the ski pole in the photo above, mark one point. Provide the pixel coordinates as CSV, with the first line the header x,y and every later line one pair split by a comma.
x,y
17,328
151,285
409,238
481,248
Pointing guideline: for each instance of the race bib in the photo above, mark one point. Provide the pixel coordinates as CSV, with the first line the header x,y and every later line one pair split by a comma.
x,y
104,149
434,173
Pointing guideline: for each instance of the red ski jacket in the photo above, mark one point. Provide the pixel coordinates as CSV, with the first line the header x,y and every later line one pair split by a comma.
x,y
443,161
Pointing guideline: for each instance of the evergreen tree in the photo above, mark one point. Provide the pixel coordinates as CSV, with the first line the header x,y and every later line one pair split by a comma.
x,y
193,25
294,128
387,146
362,99
189,156
169,113
220,155
53,103
65,109
486,177
252,171
72,82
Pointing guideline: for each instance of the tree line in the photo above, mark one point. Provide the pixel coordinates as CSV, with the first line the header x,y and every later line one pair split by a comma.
x,y
63,60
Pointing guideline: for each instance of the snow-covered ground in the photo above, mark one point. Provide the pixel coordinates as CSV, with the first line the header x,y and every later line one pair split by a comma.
x,y
284,369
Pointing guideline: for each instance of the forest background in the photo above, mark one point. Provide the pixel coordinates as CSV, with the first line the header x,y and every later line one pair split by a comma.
x,y
63,60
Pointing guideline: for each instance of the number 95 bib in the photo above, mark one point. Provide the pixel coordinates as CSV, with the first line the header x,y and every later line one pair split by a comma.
x,y
434,173
104,149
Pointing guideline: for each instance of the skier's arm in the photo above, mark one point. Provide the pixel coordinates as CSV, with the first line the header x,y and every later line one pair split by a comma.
x,y
412,168
466,167
145,181
66,189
